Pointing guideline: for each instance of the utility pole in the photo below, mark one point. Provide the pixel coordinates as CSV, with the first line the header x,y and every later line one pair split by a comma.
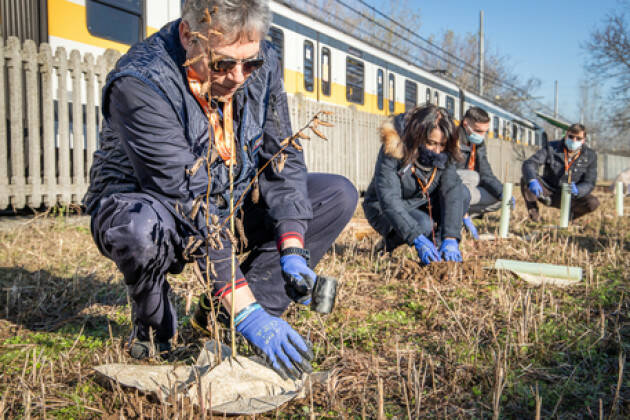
x,y
481,53
555,109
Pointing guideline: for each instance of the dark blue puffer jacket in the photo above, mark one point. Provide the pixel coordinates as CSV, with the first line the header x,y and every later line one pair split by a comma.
x,y
129,160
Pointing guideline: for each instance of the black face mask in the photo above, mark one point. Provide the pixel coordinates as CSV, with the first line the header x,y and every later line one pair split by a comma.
x,y
430,159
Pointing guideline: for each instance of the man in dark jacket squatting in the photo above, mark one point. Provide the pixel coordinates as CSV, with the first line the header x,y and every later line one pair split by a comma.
x,y
145,187
475,170
568,160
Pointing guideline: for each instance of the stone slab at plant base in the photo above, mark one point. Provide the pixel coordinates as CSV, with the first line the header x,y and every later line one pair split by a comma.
x,y
539,273
237,385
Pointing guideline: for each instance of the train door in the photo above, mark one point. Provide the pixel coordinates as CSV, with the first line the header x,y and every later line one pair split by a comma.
x,y
325,74
391,92
380,90
25,19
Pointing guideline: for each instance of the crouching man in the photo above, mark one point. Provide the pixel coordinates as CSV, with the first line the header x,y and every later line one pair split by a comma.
x,y
475,170
568,160
147,183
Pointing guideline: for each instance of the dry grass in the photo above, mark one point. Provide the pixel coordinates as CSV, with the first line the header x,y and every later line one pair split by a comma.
x,y
447,341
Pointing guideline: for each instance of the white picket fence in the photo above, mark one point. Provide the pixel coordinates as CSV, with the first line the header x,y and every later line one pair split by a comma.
x,y
46,143
46,150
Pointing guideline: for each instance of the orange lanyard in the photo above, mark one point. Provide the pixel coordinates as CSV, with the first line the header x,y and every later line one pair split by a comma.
x,y
223,136
471,159
567,163
424,188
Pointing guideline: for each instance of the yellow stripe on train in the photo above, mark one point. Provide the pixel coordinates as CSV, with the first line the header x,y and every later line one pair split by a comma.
x,y
294,83
67,20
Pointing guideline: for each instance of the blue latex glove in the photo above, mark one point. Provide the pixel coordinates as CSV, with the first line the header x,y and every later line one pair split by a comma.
x,y
283,348
450,250
574,189
299,278
426,250
470,227
512,201
534,187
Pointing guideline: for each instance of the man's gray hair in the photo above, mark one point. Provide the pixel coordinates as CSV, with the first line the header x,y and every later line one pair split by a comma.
x,y
233,18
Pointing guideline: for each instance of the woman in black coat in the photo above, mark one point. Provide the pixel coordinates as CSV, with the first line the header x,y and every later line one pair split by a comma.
x,y
416,196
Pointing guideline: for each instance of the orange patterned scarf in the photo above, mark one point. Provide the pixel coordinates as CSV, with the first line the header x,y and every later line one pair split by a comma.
x,y
223,136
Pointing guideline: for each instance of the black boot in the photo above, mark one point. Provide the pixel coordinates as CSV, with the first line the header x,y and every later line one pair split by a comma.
x,y
142,349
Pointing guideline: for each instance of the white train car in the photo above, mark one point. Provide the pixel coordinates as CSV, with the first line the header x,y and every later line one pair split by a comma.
x,y
321,61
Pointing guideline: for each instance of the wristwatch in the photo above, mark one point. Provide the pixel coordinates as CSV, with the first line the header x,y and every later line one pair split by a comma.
x,y
297,251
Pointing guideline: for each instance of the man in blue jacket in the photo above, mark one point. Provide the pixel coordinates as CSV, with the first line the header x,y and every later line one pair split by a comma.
x,y
148,182
568,160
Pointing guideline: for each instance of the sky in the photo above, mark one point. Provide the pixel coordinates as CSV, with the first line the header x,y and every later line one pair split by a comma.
x,y
542,38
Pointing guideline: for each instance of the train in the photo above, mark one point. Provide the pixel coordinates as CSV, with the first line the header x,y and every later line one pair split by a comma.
x,y
320,61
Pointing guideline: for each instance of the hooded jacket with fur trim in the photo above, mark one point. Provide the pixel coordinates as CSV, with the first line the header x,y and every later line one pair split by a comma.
x,y
394,191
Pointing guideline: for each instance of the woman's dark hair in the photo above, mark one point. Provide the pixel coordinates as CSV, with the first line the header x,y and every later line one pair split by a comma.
x,y
419,122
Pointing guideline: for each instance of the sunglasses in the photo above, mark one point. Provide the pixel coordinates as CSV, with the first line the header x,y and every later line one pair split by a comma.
x,y
574,137
222,65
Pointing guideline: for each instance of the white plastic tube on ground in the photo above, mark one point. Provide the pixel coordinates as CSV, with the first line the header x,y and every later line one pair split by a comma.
x,y
565,205
540,273
506,199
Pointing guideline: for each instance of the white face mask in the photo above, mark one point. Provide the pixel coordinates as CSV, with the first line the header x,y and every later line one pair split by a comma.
x,y
572,145
475,138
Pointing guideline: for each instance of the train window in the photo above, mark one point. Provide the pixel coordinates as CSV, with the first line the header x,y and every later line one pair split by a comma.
x,y
117,20
379,88
392,92
411,95
495,124
437,98
309,74
326,71
355,78
529,137
276,37
450,105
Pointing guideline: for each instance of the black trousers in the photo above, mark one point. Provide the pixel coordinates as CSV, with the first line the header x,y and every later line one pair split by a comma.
x,y
141,236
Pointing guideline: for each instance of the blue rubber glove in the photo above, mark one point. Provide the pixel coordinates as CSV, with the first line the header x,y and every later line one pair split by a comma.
x,y
300,279
426,250
283,348
534,187
470,227
574,189
512,201
450,250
